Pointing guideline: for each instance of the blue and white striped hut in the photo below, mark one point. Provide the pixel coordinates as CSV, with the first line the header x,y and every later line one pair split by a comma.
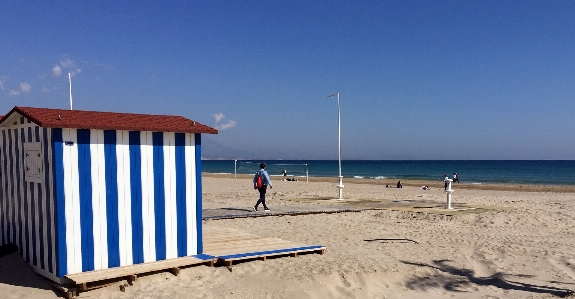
x,y
86,190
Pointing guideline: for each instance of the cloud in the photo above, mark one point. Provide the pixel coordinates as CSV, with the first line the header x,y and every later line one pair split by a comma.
x,y
105,66
229,124
67,66
2,80
75,72
218,117
25,87
56,71
68,63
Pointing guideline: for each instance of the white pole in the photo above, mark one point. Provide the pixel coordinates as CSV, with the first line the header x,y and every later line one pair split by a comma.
x,y
70,81
449,191
235,171
306,174
340,186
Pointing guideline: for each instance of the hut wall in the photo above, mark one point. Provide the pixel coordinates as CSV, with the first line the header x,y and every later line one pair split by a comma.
x,y
125,197
26,195
97,199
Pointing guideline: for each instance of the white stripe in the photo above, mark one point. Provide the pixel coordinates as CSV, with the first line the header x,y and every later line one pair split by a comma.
x,y
71,198
124,197
149,229
170,195
192,243
98,173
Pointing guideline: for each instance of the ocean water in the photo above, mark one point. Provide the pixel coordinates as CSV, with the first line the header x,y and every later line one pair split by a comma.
x,y
548,172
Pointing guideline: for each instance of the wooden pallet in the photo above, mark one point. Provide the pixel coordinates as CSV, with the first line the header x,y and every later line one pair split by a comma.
x,y
293,252
85,281
230,245
223,245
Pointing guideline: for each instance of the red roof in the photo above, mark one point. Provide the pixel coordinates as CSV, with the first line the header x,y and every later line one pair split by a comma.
x,y
81,119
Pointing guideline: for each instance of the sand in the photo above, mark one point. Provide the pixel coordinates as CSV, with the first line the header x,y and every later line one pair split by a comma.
x,y
522,247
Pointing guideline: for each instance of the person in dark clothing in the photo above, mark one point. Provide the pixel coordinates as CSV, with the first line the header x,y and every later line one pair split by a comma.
x,y
265,182
399,185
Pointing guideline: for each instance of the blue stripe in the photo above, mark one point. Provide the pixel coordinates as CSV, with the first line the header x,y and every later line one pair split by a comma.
x,y
277,251
112,221
60,204
24,200
18,198
48,185
12,197
34,218
32,211
86,215
181,193
159,195
204,257
198,141
136,192
41,211
42,215
4,166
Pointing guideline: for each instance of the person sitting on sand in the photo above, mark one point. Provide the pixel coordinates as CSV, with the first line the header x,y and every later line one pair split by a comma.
x,y
399,185
424,188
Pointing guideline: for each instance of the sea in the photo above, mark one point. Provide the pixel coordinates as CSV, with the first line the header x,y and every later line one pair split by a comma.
x,y
532,172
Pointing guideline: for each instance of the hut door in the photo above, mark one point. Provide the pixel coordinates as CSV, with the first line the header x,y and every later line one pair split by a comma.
x,y
33,162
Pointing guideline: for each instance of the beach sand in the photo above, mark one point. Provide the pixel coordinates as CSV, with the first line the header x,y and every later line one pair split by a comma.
x,y
522,247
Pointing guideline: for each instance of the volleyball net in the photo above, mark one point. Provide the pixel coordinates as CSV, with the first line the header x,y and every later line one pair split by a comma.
x,y
289,170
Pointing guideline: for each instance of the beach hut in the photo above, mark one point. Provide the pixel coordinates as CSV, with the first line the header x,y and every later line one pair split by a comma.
x,y
88,190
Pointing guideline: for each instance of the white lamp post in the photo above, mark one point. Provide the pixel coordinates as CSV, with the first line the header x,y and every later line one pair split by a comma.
x,y
340,186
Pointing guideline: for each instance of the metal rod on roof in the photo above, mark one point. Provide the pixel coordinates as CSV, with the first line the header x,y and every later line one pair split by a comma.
x,y
70,80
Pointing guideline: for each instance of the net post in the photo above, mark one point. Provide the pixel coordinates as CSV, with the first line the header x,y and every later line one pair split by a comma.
x,y
235,170
306,174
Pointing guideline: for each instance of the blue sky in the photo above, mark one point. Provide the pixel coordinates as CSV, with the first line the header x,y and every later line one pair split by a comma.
x,y
417,79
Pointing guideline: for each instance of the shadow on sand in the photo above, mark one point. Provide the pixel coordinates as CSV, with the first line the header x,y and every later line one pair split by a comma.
x,y
453,278
15,271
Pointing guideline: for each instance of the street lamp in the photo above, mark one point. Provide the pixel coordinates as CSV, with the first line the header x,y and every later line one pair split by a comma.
x,y
340,186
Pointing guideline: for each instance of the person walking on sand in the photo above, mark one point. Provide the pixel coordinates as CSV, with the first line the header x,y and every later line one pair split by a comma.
x,y
445,179
455,177
265,178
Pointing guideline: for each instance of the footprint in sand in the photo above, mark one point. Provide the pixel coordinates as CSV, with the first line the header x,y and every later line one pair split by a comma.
x,y
567,265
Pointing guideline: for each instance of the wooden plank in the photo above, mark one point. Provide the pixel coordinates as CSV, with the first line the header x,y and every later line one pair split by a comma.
x,y
68,292
132,270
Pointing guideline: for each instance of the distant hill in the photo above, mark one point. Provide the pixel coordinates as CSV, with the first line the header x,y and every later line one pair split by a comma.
x,y
213,150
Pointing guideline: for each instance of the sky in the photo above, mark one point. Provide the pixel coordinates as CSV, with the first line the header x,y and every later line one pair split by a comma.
x,y
418,80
